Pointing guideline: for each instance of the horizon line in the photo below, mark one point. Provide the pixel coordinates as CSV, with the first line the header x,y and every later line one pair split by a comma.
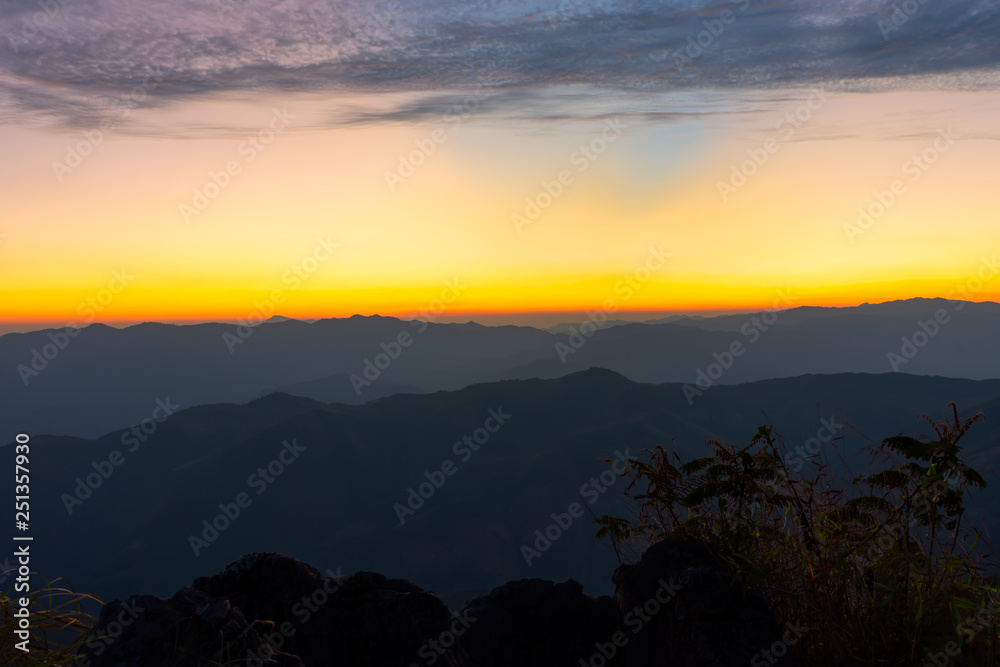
x,y
17,326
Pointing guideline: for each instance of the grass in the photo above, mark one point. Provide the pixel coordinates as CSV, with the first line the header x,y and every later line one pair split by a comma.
x,y
60,626
58,620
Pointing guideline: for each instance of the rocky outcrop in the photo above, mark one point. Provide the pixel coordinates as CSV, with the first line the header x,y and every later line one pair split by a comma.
x,y
187,629
365,619
681,610
673,607
297,618
536,623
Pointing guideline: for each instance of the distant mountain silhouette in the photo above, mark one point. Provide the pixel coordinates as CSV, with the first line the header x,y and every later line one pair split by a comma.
x,y
336,502
338,389
567,327
105,378
795,342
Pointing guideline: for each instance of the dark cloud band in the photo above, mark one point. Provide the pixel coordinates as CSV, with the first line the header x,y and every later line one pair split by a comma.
x,y
54,52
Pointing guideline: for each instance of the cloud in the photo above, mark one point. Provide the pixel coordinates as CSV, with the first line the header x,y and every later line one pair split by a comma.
x,y
59,58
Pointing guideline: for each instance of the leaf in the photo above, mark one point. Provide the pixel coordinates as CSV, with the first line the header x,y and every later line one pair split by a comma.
x,y
887,479
911,448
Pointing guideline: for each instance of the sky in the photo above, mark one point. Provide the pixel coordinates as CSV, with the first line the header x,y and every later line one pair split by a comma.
x,y
233,159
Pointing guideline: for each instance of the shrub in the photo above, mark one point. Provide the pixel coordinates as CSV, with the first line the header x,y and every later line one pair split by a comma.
x,y
885,568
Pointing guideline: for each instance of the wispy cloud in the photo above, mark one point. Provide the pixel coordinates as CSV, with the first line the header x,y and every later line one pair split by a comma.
x,y
59,58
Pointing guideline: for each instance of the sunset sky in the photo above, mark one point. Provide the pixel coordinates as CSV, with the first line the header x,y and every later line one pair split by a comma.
x,y
336,158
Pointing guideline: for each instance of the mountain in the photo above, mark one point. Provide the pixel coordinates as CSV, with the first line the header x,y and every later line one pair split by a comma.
x,y
339,485
338,389
102,378
918,336
568,327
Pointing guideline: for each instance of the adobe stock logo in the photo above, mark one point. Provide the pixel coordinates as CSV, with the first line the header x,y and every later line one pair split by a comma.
x,y
753,329
105,468
925,331
464,449
915,168
795,459
562,522
741,173
391,351
230,512
582,158
60,339
248,149
900,16
625,288
32,24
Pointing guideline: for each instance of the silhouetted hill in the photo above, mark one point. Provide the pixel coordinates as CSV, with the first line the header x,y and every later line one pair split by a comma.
x,y
335,499
338,389
793,342
106,378
909,308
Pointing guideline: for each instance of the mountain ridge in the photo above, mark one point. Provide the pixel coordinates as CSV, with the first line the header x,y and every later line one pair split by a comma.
x,y
338,503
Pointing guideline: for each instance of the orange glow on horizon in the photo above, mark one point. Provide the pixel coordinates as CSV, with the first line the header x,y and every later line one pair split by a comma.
x,y
434,309
644,228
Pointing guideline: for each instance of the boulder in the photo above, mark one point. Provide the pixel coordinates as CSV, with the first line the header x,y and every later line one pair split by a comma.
x,y
675,607
681,609
188,629
364,619
536,623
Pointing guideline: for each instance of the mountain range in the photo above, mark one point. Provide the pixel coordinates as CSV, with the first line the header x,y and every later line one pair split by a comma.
x,y
86,382
453,490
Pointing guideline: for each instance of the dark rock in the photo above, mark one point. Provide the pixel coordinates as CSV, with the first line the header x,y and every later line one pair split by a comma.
x,y
188,629
680,609
675,607
365,619
536,623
